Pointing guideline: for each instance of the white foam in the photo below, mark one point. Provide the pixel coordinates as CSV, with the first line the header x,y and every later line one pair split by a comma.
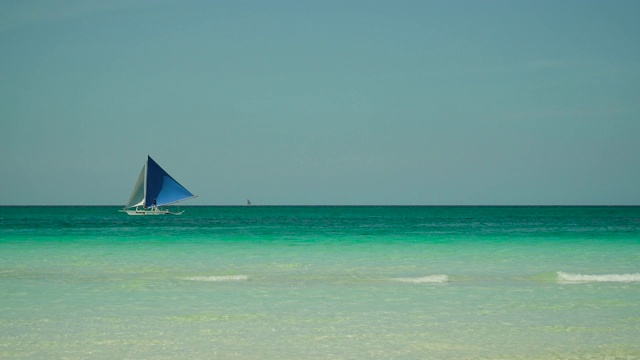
x,y
568,277
424,279
216,278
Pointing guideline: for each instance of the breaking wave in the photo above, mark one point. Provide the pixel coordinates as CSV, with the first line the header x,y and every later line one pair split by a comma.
x,y
218,278
438,279
568,277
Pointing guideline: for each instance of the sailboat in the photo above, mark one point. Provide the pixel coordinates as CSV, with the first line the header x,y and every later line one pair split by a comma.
x,y
155,188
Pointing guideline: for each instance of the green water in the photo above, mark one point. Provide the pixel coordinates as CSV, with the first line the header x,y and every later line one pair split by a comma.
x,y
321,282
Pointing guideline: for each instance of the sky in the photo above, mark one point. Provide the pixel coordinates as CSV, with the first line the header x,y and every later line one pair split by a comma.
x,y
482,102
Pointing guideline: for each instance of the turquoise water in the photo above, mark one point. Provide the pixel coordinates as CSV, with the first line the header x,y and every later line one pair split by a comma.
x,y
321,283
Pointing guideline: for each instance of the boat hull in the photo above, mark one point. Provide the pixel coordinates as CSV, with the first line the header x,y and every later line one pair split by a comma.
x,y
153,212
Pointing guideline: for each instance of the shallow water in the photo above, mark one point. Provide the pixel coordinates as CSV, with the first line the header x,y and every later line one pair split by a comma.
x,y
321,282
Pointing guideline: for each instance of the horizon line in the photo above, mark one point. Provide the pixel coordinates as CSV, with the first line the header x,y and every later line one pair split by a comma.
x,y
343,205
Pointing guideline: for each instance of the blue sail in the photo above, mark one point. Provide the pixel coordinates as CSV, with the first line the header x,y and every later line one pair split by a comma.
x,y
162,188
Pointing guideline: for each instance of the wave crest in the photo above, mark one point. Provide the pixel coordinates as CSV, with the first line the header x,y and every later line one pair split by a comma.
x,y
568,277
218,278
424,279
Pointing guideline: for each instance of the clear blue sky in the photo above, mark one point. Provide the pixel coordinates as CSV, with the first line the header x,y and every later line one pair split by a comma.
x,y
322,102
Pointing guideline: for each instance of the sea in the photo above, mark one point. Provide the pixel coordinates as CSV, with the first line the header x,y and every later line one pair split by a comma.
x,y
320,282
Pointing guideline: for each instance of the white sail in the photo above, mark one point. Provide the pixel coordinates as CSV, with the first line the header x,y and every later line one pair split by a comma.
x,y
137,195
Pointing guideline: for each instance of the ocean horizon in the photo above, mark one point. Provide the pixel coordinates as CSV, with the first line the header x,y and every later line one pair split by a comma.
x,y
321,282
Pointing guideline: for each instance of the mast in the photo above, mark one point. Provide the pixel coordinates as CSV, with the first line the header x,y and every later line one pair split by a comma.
x,y
146,170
